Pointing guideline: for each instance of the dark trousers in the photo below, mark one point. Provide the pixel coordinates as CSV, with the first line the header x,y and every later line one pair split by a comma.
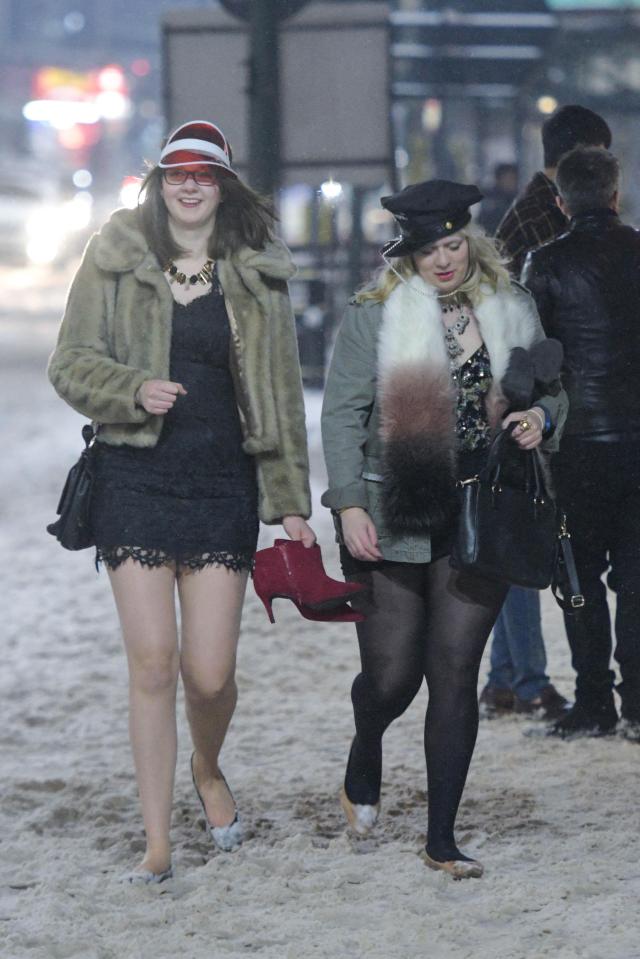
x,y
599,487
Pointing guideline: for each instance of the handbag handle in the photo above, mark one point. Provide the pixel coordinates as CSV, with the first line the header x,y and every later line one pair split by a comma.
x,y
500,446
565,585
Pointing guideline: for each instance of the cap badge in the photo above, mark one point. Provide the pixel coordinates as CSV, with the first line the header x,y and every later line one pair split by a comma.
x,y
448,225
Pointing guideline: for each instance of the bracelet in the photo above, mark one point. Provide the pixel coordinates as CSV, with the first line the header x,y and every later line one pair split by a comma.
x,y
540,419
548,422
343,508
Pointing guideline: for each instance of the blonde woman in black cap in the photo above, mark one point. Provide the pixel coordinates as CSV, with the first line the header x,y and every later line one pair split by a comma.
x,y
178,339
414,391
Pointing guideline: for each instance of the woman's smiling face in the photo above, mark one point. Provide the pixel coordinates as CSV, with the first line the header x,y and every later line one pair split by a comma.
x,y
445,263
190,204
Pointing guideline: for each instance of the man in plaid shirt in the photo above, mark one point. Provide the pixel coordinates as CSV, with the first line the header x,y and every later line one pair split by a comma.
x,y
517,681
533,219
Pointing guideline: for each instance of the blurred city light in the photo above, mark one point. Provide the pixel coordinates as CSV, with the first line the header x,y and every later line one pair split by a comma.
x,y
82,179
77,212
141,67
546,104
61,114
331,189
130,192
432,115
402,158
44,235
111,78
74,21
112,105
79,137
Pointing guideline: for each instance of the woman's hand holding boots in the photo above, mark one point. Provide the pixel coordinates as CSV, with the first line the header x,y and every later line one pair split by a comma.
x,y
297,528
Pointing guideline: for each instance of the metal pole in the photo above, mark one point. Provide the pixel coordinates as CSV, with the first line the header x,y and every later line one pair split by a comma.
x,y
264,97
355,246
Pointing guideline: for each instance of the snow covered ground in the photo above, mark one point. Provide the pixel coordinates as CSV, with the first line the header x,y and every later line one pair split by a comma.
x,y
556,824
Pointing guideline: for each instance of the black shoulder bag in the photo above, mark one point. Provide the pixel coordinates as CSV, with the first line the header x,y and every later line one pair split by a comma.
x,y
73,527
512,531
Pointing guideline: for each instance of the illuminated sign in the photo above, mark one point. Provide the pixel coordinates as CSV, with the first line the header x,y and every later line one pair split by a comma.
x,y
65,99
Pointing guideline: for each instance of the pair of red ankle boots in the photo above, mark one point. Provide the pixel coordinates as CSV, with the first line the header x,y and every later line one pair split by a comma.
x,y
290,570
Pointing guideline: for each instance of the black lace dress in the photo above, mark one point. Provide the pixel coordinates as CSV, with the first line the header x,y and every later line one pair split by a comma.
x,y
191,499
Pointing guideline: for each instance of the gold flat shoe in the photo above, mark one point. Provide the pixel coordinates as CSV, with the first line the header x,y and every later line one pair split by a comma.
x,y
361,818
457,868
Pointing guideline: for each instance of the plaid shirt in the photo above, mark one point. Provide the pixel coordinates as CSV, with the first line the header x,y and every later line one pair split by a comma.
x,y
531,220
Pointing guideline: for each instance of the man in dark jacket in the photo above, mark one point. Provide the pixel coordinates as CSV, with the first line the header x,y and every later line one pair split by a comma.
x,y
518,680
535,218
587,288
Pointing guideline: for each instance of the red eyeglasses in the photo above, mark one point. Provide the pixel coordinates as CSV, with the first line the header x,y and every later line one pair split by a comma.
x,y
177,176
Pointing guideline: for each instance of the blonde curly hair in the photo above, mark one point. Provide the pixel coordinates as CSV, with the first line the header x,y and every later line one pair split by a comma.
x,y
486,267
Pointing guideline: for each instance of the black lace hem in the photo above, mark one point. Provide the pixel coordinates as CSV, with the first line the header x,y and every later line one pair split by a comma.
x,y
115,556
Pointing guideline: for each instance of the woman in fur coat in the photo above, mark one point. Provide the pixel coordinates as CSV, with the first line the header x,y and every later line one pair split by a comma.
x,y
178,340
414,393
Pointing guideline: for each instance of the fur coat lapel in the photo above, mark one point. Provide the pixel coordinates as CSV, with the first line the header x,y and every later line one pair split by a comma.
x,y
417,399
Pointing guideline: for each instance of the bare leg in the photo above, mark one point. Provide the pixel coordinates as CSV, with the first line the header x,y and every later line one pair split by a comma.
x,y
211,605
146,607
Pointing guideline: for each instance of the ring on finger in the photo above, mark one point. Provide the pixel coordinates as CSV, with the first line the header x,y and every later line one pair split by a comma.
x,y
524,425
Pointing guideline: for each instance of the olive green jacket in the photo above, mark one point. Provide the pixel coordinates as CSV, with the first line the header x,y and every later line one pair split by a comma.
x,y
116,333
351,419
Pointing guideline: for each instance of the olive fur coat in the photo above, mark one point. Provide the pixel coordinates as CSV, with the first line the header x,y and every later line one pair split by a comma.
x,y
388,418
116,333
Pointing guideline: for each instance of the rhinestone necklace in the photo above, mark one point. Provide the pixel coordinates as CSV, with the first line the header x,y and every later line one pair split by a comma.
x,y
203,276
453,331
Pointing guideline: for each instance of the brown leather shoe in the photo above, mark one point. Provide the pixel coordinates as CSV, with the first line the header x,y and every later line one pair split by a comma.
x,y
548,704
496,702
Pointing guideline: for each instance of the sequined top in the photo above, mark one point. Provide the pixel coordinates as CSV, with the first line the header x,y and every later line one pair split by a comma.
x,y
472,380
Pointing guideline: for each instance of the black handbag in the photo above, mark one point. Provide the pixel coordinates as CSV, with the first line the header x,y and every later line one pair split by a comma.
x,y
73,528
508,530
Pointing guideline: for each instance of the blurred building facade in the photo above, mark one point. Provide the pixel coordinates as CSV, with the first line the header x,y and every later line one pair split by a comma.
x,y
474,82
57,50
471,85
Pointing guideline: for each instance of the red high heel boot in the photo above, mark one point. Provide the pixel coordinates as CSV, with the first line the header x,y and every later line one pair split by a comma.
x,y
341,614
290,570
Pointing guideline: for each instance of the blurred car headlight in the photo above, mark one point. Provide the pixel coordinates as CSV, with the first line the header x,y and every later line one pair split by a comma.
x,y
48,221
77,212
43,249
46,230
130,192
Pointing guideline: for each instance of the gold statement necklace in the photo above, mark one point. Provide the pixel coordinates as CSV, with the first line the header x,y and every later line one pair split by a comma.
x,y
204,276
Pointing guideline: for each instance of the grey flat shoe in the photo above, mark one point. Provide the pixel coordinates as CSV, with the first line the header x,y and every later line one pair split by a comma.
x,y
144,877
226,838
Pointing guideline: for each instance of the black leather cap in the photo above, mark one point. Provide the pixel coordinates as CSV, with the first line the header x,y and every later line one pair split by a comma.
x,y
426,212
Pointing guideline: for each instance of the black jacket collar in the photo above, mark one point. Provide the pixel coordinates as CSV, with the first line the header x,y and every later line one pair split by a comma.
x,y
594,221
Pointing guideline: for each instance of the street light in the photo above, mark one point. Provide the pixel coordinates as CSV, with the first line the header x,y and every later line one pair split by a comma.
x,y
546,104
331,189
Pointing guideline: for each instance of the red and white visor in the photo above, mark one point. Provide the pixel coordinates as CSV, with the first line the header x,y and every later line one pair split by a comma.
x,y
197,142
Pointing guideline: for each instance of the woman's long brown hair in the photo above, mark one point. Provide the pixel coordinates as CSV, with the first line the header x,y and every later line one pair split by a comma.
x,y
244,218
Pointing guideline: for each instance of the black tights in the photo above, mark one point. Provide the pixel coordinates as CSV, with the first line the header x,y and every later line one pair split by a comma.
x,y
423,620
